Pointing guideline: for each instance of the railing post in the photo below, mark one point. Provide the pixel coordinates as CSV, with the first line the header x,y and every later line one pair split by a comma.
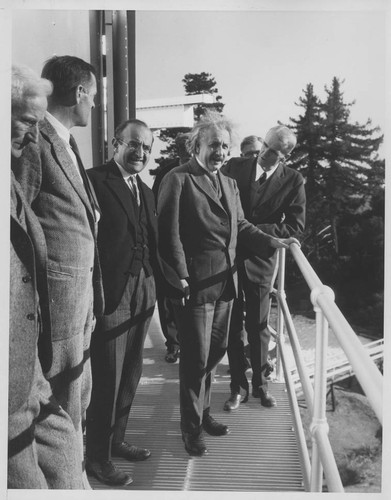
x,y
280,313
319,426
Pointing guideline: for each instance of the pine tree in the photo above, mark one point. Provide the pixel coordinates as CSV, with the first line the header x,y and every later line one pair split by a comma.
x,y
350,152
307,158
194,83
202,83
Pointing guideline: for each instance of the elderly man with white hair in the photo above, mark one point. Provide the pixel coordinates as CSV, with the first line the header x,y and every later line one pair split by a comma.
x,y
273,199
42,441
200,223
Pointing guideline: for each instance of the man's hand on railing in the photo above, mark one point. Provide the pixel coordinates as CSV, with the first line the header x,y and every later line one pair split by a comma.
x,y
283,242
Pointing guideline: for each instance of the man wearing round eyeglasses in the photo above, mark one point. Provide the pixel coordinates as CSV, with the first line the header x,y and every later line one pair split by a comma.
x,y
127,242
250,146
273,199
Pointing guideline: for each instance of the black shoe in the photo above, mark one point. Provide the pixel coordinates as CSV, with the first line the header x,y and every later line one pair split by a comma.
x,y
194,444
107,473
234,401
132,453
213,428
266,398
172,354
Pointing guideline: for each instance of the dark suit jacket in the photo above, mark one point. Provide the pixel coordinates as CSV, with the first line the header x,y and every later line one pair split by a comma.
x,y
28,286
56,193
277,207
117,229
198,232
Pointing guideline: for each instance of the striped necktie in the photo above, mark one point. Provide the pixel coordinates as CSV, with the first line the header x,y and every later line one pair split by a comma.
x,y
262,179
132,181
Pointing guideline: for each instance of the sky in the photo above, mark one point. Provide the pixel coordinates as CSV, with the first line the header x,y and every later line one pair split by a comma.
x,y
262,60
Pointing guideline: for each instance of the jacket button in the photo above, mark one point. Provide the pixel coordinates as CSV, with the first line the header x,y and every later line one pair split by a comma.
x,y
31,316
26,279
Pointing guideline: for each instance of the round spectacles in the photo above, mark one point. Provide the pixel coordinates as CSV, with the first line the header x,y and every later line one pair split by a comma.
x,y
136,145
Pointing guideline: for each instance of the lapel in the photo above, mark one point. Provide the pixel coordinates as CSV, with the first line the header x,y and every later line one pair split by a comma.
x,y
149,207
33,230
199,176
270,187
65,163
117,185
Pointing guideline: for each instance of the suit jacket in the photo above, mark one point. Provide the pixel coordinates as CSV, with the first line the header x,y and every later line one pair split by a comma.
x,y
198,232
53,188
28,287
277,207
117,229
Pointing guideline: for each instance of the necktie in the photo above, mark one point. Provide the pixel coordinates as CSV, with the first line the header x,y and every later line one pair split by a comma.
x,y
84,176
262,179
216,184
134,188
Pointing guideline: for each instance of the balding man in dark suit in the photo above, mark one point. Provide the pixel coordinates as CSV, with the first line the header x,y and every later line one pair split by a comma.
x,y
273,199
127,242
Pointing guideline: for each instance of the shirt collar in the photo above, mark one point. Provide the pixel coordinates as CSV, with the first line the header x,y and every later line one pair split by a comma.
x,y
62,131
205,167
124,173
269,173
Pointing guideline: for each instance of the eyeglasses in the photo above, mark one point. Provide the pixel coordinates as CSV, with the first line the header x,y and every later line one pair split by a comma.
x,y
136,145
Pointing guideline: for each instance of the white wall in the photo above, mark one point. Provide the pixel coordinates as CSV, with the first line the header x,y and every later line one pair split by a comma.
x,y
37,35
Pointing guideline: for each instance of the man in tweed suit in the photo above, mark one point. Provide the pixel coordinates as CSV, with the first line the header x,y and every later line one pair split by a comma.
x,y
42,441
200,222
56,185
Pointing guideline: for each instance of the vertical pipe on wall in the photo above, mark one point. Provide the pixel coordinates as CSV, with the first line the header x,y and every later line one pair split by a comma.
x,y
97,115
131,20
120,67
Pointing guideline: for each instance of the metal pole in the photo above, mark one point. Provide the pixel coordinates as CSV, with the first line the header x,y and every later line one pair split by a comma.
x,y
97,116
131,21
320,390
120,67
280,315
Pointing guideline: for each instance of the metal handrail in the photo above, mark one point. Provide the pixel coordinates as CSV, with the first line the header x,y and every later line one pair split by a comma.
x,y
367,373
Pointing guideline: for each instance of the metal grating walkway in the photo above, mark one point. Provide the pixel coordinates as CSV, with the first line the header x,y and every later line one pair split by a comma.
x,y
260,453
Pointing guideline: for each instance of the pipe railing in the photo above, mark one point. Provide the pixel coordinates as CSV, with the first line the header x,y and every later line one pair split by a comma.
x,y
366,371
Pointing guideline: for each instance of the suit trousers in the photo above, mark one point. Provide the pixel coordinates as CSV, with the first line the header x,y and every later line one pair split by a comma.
x,y
43,447
117,358
167,320
71,295
203,338
257,306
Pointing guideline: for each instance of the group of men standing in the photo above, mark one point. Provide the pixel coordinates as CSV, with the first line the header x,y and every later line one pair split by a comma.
x,y
89,249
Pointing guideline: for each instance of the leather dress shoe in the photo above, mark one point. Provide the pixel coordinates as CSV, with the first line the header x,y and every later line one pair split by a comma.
x,y
213,428
266,398
194,444
172,354
107,473
234,401
129,452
